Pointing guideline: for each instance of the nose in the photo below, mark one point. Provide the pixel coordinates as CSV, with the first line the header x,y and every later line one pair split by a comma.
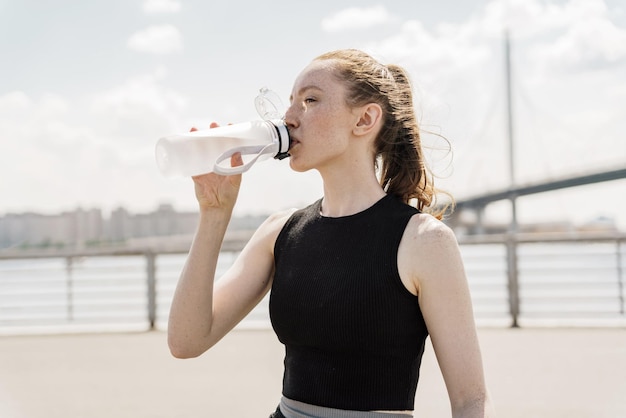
x,y
291,119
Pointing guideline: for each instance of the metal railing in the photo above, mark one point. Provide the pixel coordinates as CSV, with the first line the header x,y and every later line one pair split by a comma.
x,y
555,278
514,280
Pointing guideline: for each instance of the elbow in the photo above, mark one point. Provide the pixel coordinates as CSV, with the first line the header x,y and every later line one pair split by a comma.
x,y
181,350
182,353
478,406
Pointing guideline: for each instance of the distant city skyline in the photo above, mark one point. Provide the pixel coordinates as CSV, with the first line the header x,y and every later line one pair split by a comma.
x,y
82,228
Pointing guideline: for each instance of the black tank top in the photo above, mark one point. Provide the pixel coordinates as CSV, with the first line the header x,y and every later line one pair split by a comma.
x,y
353,334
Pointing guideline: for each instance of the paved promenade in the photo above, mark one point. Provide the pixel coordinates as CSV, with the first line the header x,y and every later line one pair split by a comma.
x,y
532,373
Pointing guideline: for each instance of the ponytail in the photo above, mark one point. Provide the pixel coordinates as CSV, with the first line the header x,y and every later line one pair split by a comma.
x,y
402,170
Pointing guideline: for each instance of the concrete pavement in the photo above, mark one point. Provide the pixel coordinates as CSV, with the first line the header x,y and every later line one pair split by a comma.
x,y
536,373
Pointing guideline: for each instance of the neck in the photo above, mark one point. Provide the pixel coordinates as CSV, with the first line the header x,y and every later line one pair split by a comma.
x,y
347,193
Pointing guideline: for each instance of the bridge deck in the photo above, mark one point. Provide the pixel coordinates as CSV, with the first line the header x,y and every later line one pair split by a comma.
x,y
541,187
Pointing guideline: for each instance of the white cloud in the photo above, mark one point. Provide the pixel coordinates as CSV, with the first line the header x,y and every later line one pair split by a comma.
x,y
449,48
568,58
44,146
138,111
356,18
161,6
568,36
157,39
596,41
60,153
144,90
14,100
22,116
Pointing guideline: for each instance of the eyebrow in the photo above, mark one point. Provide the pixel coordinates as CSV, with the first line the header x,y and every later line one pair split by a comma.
x,y
304,89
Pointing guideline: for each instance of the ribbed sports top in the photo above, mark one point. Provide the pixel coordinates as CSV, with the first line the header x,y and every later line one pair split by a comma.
x,y
353,334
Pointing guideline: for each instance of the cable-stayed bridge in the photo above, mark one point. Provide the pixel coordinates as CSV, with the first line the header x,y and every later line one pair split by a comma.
x,y
515,190
479,202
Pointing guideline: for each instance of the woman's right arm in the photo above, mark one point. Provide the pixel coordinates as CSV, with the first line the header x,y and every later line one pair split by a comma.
x,y
204,310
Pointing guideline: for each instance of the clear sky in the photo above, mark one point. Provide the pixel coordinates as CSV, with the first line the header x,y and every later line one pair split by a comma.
x,y
88,87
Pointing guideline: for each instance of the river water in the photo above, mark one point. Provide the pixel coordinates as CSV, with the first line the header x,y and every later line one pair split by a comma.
x,y
559,284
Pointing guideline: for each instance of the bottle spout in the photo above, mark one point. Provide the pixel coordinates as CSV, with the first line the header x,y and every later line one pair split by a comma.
x,y
269,105
284,139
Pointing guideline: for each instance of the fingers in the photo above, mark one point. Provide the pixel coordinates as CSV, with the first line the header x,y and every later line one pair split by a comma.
x,y
212,125
236,160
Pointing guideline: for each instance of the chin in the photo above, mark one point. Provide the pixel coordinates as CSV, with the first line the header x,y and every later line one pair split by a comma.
x,y
299,168
293,164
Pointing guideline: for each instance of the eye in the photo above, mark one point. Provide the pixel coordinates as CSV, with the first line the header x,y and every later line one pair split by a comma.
x,y
309,100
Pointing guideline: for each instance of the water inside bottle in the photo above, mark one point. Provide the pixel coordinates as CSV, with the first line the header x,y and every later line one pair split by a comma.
x,y
186,156
202,152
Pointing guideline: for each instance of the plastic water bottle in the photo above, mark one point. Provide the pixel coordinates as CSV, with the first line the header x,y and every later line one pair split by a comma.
x,y
201,152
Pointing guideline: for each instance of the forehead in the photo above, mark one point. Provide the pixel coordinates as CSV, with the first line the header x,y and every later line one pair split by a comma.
x,y
318,74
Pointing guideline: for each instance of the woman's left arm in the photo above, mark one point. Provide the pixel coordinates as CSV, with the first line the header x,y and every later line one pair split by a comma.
x,y
431,261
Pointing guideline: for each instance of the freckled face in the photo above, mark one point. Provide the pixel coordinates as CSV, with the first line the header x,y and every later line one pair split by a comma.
x,y
320,123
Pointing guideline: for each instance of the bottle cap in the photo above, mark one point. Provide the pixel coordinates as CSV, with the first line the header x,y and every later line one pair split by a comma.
x,y
268,104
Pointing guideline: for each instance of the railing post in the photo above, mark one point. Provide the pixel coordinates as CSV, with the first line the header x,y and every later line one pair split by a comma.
x,y
620,276
151,286
69,287
513,283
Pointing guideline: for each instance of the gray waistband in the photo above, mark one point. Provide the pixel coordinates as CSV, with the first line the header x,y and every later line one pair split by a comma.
x,y
295,409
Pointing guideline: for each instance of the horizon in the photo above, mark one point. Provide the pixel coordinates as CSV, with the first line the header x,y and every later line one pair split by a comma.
x,y
600,220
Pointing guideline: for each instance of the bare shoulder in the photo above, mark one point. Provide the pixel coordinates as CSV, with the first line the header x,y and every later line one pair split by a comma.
x,y
282,215
259,250
277,220
428,251
424,230
268,231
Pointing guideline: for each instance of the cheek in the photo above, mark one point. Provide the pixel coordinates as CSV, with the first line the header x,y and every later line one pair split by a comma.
x,y
326,130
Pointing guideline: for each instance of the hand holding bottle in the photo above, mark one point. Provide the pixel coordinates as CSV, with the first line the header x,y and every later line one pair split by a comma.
x,y
201,152
215,191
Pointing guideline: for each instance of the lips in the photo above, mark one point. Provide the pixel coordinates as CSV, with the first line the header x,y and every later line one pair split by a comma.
x,y
293,142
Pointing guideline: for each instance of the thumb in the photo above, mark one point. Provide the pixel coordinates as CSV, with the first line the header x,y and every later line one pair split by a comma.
x,y
236,160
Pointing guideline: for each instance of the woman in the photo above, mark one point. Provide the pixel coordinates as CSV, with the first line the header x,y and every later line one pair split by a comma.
x,y
358,279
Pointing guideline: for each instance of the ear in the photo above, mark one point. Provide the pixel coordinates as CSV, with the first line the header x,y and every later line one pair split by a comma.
x,y
370,117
